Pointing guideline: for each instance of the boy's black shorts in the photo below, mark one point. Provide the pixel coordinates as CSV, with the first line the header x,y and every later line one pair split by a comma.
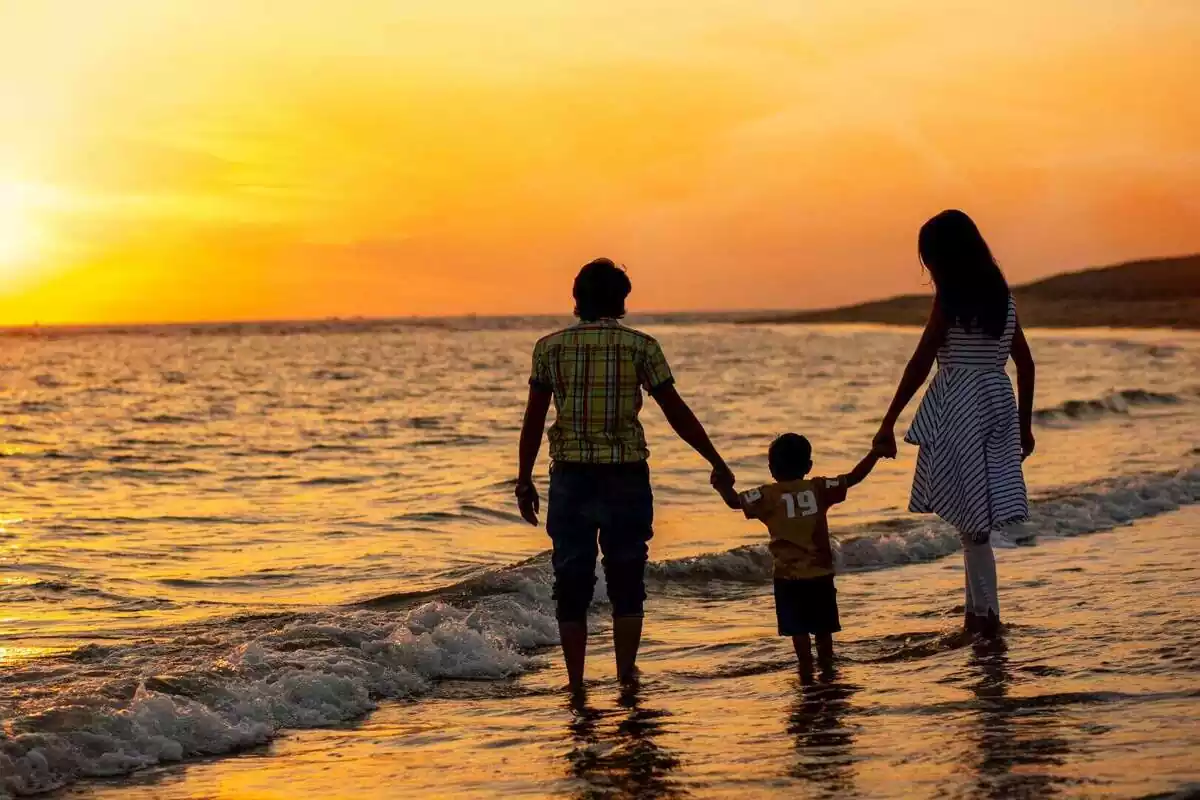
x,y
806,605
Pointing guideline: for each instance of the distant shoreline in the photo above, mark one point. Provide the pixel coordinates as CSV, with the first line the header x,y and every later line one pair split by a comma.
x,y
1035,313
1153,293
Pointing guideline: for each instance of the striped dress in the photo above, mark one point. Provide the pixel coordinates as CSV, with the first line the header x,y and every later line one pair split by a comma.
x,y
969,464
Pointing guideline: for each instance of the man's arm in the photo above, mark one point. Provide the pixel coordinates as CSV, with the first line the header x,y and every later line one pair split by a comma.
x,y
684,423
536,408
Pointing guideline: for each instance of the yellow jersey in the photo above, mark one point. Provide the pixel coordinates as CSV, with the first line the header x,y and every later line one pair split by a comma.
x,y
795,515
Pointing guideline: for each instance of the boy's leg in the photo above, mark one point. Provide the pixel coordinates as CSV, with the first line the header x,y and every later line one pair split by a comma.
x,y
626,526
573,534
790,599
803,655
824,617
825,652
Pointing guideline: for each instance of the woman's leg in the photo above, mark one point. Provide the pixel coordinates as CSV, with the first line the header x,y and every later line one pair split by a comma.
x,y
982,588
970,615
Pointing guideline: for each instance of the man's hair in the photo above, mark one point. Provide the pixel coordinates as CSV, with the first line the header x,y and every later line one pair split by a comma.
x,y
790,457
600,291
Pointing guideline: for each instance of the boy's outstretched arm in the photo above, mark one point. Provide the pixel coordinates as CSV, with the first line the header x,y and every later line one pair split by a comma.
x,y
862,469
684,423
727,492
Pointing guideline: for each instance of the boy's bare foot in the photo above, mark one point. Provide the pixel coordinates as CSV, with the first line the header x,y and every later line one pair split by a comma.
x,y
631,679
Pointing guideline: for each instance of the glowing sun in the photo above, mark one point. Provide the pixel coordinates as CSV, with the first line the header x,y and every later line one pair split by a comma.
x,y
20,239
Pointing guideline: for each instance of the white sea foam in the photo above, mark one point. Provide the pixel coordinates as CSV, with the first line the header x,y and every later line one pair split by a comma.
x,y
302,675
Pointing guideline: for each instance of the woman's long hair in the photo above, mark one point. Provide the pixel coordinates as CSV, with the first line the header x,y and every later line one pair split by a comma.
x,y
971,289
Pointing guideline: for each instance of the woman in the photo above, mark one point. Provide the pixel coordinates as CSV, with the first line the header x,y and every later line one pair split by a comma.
x,y
971,433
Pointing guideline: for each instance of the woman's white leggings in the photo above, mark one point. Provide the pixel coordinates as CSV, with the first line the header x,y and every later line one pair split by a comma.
x,y
983,595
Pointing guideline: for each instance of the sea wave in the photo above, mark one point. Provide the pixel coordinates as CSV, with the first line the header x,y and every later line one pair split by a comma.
x,y
1114,403
1083,509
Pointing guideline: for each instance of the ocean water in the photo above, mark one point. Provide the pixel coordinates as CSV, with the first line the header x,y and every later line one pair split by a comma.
x,y
241,541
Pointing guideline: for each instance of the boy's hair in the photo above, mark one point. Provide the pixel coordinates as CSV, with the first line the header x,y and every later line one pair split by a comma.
x,y
600,291
790,457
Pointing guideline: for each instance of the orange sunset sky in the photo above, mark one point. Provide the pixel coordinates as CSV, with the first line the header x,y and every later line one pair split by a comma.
x,y
229,159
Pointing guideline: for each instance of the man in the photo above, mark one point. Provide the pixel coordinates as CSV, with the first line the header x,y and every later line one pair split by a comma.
x,y
595,372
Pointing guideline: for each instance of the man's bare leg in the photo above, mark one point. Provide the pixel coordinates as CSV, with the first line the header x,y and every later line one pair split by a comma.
x,y
627,638
804,656
574,648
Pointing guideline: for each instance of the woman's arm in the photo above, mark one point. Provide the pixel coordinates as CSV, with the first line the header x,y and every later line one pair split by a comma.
x,y
914,376
1026,372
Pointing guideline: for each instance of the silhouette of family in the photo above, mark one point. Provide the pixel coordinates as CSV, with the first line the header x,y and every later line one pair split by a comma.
x,y
972,432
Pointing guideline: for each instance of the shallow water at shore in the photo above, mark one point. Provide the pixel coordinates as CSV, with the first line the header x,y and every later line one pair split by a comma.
x,y
1096,692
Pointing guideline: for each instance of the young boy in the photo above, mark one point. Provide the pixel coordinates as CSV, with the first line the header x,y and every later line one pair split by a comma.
x,y
794,510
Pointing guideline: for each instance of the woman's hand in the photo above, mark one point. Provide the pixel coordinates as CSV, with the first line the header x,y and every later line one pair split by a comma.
x,y
884,443
1028,443
528,501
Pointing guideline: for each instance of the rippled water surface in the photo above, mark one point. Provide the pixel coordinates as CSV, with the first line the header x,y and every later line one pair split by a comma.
x,y
211,538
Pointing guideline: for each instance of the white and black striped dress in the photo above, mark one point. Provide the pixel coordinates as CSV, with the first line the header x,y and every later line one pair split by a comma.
x,y
969,464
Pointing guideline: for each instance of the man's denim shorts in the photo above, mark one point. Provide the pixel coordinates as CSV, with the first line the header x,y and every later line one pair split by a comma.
x,y
611,502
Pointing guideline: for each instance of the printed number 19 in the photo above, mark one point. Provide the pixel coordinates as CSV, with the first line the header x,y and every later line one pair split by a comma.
x,y
804,502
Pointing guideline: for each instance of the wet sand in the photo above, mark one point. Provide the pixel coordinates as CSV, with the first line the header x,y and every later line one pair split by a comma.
x,y
1096,693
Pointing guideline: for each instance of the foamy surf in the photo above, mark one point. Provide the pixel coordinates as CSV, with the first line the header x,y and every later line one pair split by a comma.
x,y
312,672
221,688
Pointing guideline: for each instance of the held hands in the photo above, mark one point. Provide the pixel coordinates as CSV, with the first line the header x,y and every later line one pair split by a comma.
x,y
722,478
884,444
528,501
723,481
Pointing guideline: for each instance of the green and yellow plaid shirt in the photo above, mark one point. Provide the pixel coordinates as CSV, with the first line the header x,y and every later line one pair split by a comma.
x,y
597,371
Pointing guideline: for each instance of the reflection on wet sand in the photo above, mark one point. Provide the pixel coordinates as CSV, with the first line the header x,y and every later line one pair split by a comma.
x,y
624,760
1017,737
824,741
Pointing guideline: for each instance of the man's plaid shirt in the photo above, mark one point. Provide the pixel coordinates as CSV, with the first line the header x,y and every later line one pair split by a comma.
x,y
597,371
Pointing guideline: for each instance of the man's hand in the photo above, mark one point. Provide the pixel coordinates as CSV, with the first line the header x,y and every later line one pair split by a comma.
x,y
528,501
